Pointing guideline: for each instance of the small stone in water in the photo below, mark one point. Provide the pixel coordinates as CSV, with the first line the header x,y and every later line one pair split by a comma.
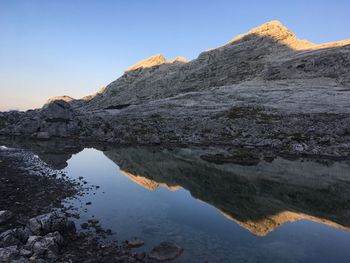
x,y
135,243
93,221
84,225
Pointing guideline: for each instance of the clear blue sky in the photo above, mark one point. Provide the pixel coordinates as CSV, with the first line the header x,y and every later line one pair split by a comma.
x,y
72,47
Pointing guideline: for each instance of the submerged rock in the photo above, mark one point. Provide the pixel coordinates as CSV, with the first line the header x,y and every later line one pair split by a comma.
x,y
165,251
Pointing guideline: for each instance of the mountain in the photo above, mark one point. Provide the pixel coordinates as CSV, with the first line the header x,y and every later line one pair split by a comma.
x,y
264,88
269,52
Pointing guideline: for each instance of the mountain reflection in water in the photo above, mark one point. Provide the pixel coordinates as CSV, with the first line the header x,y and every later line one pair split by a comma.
x,y
259,198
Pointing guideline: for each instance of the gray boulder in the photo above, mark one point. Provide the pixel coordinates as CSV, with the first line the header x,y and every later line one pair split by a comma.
x,y
55,221
9,238
25,253
58,110
14,237
46,246
7,254
5,215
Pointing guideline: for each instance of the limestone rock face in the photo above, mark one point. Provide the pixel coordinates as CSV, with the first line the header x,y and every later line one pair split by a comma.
x,y
270,52
152,61
275,31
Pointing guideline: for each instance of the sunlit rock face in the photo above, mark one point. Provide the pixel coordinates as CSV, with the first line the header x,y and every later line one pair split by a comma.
x,y
269,52
152,61
57,98
155,61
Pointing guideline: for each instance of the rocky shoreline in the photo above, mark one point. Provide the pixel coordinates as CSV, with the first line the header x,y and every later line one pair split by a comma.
x,y
34,224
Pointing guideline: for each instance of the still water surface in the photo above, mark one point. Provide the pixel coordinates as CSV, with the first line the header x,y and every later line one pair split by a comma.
x,y
215,213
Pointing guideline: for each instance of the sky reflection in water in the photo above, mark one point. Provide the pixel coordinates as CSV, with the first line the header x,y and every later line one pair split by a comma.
x,y
131,210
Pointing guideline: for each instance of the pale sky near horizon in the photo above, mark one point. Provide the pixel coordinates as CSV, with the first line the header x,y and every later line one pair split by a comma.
x,y
65,47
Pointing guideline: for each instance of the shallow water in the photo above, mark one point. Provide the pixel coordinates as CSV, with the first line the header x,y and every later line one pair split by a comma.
x,y
157,211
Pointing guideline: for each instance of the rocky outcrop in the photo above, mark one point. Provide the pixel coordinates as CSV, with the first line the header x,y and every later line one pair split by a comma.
x,y
40,240
56,118
57,98
51,222
265,88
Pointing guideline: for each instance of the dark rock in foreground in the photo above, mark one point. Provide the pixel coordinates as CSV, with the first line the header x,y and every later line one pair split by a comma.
x,y
39,240
5,215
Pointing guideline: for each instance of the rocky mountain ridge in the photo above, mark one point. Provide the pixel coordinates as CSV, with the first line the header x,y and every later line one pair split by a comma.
x,y
267,53
265,88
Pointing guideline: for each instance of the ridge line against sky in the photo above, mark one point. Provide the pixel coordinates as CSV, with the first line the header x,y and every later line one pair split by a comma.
x,y
52,48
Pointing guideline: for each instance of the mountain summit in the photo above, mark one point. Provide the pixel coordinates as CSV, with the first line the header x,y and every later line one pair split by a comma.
x,y
276,31
155,60
264,88
152,61
268,52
